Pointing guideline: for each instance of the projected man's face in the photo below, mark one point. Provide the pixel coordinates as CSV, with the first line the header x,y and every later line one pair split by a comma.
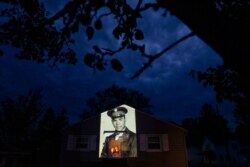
x,y
119,123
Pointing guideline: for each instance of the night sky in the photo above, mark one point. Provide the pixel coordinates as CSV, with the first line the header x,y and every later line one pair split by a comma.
x,y
174,94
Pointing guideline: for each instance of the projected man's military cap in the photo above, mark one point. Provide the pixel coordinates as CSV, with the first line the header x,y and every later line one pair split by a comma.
x,y
117,112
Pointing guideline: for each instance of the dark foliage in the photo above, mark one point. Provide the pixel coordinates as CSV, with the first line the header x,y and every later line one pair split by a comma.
x,y
209,125
242,115
223,24
114,96
18,120
25,126
232,86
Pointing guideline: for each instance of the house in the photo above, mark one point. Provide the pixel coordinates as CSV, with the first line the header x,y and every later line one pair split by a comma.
x,y
14,159
229,154
159,143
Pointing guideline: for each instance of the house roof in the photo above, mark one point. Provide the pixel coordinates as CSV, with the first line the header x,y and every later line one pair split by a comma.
x,y
163,121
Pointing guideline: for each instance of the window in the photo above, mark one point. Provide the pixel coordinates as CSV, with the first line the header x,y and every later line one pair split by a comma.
x,y
154,143
82,143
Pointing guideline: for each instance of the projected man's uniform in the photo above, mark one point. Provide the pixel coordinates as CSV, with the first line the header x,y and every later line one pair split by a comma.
x,y
122,143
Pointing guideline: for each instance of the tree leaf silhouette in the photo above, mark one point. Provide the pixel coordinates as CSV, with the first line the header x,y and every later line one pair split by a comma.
x,y
116,65
97,49
98,24
90,32
85,19
100,66
75,27
89,59
139,34
117,32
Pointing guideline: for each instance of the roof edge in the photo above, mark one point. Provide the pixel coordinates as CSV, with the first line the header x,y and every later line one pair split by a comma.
x,y
165,122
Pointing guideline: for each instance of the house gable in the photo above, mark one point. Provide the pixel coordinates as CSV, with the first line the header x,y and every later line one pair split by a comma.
x,y
158,142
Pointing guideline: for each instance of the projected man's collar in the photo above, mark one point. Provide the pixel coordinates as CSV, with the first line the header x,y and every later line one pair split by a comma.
x,y
119,133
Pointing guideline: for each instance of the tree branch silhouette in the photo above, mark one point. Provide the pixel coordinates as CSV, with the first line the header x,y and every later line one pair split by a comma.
x,y
23,21
152,58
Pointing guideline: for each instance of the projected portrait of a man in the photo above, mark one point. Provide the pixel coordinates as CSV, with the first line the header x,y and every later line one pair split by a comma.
x,y
121,143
